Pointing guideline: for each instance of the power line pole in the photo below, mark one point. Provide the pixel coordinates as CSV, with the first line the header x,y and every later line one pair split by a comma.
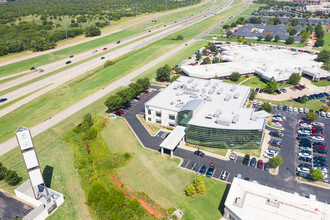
x,y
66,33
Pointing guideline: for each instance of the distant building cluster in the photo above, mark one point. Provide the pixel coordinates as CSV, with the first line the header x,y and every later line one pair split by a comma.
x,y
265,61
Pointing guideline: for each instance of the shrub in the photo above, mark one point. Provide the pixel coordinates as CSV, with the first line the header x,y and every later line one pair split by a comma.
x,y
199,185
235,76
3,171
191,191
312,116
276,161
91,134
266,107
316,174
108,63
163,73
12,178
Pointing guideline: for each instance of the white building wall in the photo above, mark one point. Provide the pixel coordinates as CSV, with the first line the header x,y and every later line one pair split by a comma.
x,y
164,119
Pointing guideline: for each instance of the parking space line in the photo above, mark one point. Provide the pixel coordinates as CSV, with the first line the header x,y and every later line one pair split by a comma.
x,y
214,172
187,164
235,159
193,166
227,177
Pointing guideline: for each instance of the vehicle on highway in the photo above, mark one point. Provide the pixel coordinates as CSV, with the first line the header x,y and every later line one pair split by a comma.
x,y
202,170
199,153
267,166
260,164
246,159
71,56
102,58
41,71
68,62
105,48
33,68
276,134
210,171
118,42
3,100
224,175
253,162
232,155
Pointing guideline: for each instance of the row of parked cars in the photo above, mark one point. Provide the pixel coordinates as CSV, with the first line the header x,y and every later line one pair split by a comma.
x,y
301,110
320,95
311,148
253,162
277,120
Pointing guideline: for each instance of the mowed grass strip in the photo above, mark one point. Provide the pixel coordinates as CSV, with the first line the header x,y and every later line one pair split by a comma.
x,y
64,53
159,177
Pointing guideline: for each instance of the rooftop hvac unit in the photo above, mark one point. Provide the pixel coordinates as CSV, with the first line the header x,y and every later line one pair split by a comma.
x,y
209,116
196,90
188,89
207,83
236,95
211,91
223,121
183,86
194,85
172,103
207,98
219,91
235,119
178,106
190,80
176,86
203,90
227,97
233,88
178,94
217,113
215,85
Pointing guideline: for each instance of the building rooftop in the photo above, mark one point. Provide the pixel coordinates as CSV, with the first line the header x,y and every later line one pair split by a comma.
x,y
215,103
265,60
172,140
249,200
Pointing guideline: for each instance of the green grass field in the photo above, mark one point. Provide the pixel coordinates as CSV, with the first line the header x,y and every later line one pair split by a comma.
x,y
61,54
159,177
256,82
326,42
322,83
152,128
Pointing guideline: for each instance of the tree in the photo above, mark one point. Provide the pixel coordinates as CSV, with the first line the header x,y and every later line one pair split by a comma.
x,y
91,134
3,171
199,185
305,34
12,178
175,77
92,31
260,38
294,79
229,33
323,56
205,51
207,60
293,32
87,122
216,60
240,40
108,63
213,48
137,88
114,102
198,56
271,85
276,161
304,99
266,107
289,40
312,116
319,42
294,22
235,76
163,73
127,94
180,37
326,108
191,191
253,94
177,70
277,38
144,82
226,27
269,37
316,174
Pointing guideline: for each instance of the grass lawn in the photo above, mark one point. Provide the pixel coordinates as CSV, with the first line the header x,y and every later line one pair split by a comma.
x,y
159,177
152,128
241,79
64,53
322,83
326,39
256,82
253,153
219,151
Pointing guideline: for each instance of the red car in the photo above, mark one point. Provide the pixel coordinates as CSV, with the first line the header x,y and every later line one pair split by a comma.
x,y
318,147
305,122
302,86
260,164
317,134
71,56
277,121
317,128
105,48
120,112
146,91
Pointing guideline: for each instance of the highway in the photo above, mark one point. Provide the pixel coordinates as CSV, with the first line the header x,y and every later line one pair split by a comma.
x,y
64,114
51,82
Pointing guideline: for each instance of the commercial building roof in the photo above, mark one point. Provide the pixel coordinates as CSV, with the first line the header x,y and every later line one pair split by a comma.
x,y
174,138
215,102
266,61
248,200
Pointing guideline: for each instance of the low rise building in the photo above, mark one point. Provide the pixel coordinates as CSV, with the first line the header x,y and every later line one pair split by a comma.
x,y
248,200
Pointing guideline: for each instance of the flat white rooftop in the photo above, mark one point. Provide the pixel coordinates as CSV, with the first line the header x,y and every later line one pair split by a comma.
x,y
219,104
264,60
174,138
249,200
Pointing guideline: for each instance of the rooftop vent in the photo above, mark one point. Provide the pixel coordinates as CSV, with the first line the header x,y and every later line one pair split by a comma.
x,y
190,80
207,83
236,95
203,90
178,94
233,88
194,85
172,103
176,86
223,121
219,91
238,201
207,98
217,113
235,119
215,85
227,97
211,91
272,202
209,116
196,90
183,86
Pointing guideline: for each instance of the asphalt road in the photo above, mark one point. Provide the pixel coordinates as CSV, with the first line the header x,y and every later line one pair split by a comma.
x,y
285,180
51,82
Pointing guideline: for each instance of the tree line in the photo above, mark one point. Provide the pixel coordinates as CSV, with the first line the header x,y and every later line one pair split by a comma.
x,y
10,176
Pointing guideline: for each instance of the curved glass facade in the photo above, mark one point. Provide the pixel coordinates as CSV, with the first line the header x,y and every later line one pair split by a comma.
x,y
223,138
184,117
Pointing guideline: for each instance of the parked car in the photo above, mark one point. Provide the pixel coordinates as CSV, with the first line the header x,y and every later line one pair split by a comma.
x,y
320,143
260,164
253,162
290,109
285,108
232,155
318,138
303,174
224,175
305,142
276,134
305,110
304,154
317,128
199,153
210,171
295,110
320,151
275,143
301,110
279,107
202,170
303,136
267,166
305,121
246,159
302,165
120,112
305,148
306,159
